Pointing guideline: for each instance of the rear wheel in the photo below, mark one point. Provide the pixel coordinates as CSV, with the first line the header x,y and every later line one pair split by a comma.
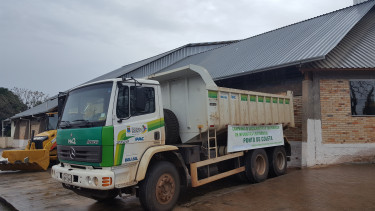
x,y
161,187
256,165
278,161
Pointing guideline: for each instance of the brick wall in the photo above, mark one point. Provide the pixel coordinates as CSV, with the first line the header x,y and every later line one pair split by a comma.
x,y
338,125
295,134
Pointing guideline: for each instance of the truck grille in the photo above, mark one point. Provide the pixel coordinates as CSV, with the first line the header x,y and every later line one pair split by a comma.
x,y
90,154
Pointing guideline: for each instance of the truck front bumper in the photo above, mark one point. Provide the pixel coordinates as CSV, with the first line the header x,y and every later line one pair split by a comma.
x,y
87,177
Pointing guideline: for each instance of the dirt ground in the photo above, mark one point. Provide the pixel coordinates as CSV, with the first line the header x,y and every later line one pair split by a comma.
x,y
342,187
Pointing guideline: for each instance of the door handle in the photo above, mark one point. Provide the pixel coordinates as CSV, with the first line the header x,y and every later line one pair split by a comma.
x,y
157,135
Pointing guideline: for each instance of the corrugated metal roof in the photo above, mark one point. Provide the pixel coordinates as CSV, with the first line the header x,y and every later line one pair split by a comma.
x,y
306,41
47,106
356,50
127,68
156,63
174,57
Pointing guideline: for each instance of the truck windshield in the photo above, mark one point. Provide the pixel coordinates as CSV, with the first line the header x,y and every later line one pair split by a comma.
x,y
87,106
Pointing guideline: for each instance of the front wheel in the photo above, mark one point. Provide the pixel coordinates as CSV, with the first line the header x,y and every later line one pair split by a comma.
x,y
161,187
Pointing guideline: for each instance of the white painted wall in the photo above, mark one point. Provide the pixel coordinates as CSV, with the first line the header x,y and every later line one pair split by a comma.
x,y
6,142
314,152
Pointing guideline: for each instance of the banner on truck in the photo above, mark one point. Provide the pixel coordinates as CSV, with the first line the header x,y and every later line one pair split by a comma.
x,y
253,137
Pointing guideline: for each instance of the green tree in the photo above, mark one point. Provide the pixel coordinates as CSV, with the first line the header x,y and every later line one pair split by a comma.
x,y
10,104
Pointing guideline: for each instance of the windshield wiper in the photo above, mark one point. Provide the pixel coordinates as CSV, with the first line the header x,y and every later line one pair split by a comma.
x,y
86,122
65,124
80,120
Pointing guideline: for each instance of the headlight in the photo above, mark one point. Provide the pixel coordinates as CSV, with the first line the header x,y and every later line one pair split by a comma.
x,y
89,180
96,181
40,138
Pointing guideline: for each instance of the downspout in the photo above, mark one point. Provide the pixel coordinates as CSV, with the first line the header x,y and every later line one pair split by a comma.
x,y
29,129
2,128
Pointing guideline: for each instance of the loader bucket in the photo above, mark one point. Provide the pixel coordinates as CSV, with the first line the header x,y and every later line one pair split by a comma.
x,y
27,160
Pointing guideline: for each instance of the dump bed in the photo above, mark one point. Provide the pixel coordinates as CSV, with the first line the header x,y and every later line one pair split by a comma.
x,y
200,104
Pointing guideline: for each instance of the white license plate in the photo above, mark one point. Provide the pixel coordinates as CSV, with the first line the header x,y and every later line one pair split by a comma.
x,y
67,177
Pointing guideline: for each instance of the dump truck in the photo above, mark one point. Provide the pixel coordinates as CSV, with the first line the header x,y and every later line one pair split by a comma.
x,y
39,153
149,137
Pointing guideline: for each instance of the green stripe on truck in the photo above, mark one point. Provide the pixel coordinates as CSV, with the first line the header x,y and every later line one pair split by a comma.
x,y
156,124
212,94
107,148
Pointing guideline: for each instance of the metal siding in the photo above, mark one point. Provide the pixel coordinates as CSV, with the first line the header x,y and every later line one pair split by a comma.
x,y
302,42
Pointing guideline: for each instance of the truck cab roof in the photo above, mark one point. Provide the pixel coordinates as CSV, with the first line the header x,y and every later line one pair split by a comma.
x,y
127,80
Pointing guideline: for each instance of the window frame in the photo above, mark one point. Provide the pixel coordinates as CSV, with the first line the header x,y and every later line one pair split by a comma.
x,y
117,101
130,102
130,115
98,123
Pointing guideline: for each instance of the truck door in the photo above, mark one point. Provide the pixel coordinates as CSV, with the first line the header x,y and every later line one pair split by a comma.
x,y
137,122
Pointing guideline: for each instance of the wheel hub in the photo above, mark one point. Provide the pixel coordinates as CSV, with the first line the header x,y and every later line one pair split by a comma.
x,y
260,165
165,189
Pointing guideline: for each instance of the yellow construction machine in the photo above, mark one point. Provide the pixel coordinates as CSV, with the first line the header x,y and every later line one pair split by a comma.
x,y
40,151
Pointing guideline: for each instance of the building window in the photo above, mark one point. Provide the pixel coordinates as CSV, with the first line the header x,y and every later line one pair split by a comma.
x,y
362,97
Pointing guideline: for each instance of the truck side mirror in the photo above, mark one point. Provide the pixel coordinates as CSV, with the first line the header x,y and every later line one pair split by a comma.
x,y
60,103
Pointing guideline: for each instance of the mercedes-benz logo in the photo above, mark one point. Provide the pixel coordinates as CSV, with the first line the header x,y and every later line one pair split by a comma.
x,y
72,153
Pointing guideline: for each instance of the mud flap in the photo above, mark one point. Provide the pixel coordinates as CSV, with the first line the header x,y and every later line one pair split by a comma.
x,y
27,160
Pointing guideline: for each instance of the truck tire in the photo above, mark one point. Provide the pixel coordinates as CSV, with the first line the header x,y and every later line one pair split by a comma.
x,y
172,128
278,161
256,165
161,187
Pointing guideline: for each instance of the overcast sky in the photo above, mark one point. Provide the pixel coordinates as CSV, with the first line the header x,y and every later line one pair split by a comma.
x,y
53,45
